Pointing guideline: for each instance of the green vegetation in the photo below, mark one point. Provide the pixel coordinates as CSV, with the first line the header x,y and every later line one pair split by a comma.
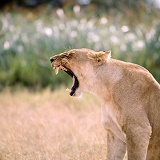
x,y
28,39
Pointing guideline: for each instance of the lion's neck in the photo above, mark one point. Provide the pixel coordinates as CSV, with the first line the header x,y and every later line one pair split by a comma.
x,y
106,77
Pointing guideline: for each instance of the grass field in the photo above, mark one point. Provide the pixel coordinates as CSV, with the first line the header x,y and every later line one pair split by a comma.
x,y
50,126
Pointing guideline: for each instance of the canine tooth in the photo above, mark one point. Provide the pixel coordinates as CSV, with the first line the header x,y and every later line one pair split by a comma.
x,y
57,70
68,90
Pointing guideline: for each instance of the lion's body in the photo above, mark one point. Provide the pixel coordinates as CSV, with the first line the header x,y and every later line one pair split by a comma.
x,y
134,108
131,103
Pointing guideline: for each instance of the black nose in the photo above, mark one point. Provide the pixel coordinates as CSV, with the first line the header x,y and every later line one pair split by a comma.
x,y
52,59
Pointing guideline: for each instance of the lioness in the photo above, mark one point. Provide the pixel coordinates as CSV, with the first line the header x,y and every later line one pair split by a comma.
x,y
130,96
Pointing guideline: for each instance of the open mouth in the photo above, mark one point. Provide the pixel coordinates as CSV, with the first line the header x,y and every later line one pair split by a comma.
x,y
75,83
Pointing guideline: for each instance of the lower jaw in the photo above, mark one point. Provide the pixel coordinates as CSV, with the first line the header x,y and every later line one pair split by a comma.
x,y
77,94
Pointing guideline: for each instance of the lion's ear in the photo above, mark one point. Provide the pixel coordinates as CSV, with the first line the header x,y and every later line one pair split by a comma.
x,y
98,58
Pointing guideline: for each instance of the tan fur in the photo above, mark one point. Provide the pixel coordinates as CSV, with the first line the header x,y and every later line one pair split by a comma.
x,y
130,97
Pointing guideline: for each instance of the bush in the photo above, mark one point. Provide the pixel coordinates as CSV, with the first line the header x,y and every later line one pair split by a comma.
x,y
27,41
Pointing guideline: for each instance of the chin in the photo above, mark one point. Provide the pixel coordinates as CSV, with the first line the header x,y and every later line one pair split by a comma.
x,y
78,94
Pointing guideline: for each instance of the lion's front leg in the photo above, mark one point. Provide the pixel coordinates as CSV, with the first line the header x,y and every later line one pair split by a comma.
x,y
137,142
116,148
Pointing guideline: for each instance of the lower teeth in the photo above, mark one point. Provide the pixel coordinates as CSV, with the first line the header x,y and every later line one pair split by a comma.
x,y
68,90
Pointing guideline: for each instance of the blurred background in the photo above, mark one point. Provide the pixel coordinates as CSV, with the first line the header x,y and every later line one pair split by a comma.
x,y
33,30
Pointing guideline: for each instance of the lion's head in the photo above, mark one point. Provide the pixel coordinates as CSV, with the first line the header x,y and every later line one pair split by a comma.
x,y
80,64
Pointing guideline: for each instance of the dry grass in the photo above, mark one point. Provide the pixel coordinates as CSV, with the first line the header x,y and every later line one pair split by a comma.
x,y
50,126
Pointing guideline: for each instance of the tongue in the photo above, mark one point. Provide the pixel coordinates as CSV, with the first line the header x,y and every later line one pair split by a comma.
x,y
73,82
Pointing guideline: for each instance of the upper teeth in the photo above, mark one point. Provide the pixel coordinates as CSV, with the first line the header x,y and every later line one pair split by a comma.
x,y
60,67
56,70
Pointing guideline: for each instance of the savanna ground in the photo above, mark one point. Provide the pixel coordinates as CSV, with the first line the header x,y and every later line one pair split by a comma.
x,y
50,125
